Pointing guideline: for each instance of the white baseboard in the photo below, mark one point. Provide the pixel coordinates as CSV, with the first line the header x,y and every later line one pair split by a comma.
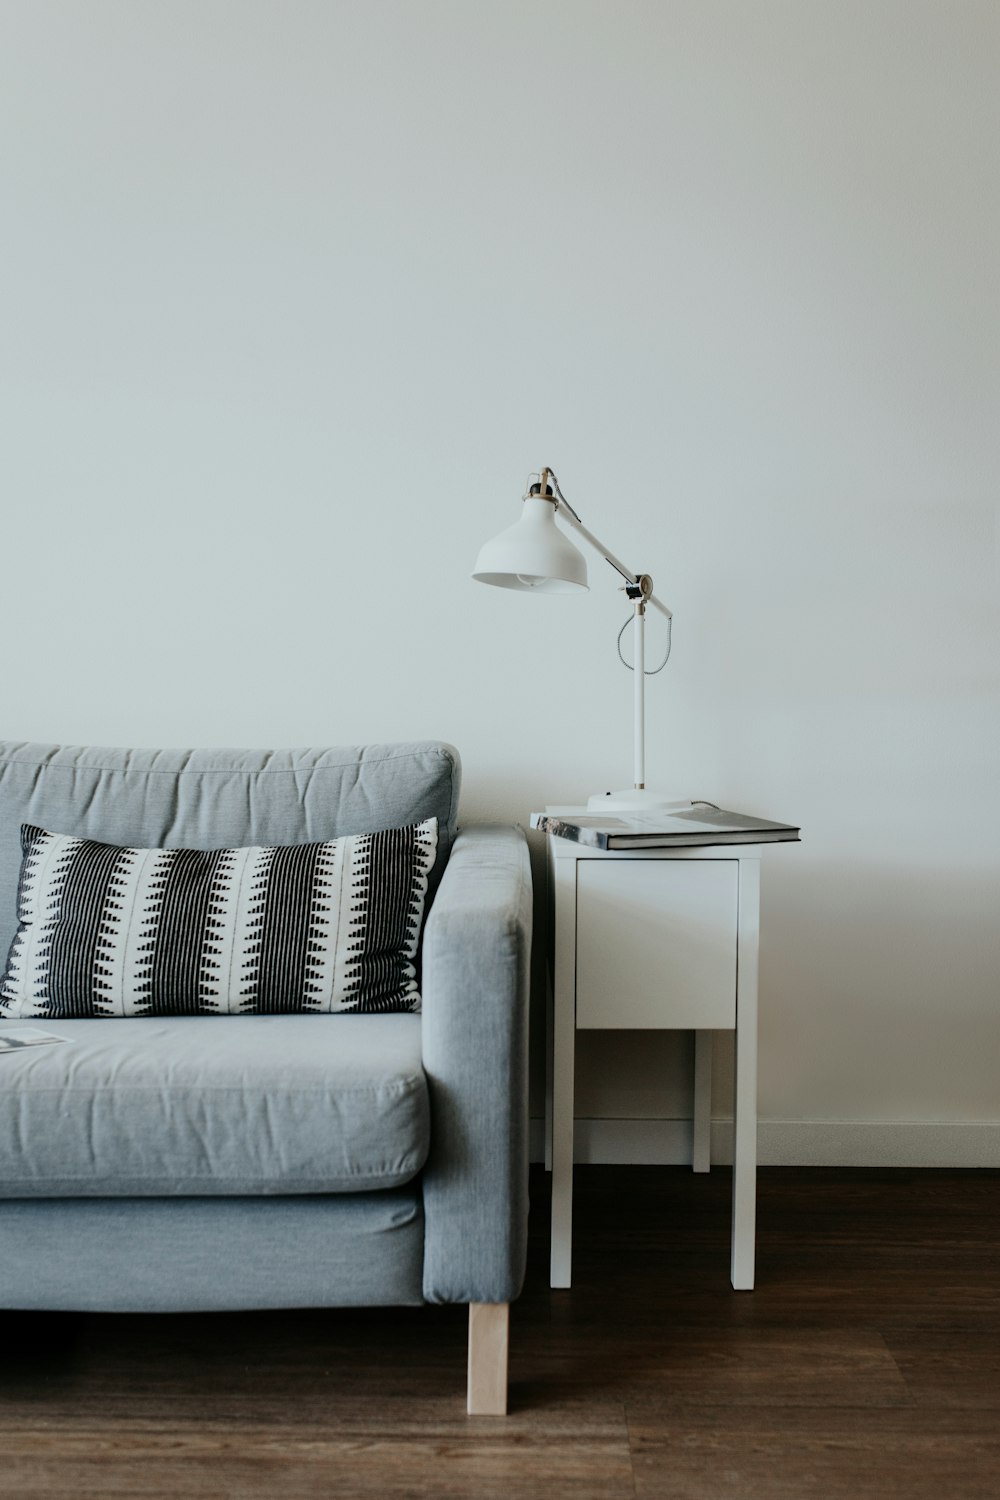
x,y
790,1143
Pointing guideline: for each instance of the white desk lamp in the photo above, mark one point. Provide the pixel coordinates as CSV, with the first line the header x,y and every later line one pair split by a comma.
x,y
535,556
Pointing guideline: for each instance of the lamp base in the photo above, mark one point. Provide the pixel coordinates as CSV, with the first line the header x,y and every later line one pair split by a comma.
x,y
637,800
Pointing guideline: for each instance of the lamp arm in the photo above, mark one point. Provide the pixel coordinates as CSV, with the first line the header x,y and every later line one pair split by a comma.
x,y
572,520
639,587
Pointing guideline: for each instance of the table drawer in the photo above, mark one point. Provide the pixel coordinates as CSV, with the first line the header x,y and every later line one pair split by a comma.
x,y
656,943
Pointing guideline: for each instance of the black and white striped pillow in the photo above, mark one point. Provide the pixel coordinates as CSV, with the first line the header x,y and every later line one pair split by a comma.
x,y
106,931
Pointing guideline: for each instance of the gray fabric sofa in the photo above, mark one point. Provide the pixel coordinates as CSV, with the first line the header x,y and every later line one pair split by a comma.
x,y
225,1162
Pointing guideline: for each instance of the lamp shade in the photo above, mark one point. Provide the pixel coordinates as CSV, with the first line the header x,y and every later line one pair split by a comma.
x,y
533,554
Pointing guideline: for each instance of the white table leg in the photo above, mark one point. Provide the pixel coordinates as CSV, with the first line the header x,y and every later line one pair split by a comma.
x,y
549,1054
563,1068
701,1155
745,1091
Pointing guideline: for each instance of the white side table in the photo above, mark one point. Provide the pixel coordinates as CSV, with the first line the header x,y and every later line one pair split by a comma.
x,y
649,939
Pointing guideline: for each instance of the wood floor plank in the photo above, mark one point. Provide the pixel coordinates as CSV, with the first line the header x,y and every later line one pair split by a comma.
x,y
741,1366
836,1454
251,1462
545,1413
950,1370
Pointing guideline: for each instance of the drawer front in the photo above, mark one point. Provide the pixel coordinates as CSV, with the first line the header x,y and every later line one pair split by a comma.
x,y
656,943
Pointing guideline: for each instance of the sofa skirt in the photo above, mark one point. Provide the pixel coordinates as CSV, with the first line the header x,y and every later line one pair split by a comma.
x,y
212,1254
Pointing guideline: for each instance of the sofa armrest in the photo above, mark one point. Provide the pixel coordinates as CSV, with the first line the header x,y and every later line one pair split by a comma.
x,y
475,974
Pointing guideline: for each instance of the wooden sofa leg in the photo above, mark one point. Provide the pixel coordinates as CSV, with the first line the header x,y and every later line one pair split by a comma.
x,y
489,1326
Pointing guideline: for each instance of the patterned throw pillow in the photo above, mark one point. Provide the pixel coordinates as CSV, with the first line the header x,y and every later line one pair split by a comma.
x,y
106,931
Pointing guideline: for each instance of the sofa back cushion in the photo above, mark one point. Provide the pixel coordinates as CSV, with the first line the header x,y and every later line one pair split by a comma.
x,y
212,799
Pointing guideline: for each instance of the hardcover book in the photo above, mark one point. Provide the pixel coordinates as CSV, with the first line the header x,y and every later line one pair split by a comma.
x,y
703,824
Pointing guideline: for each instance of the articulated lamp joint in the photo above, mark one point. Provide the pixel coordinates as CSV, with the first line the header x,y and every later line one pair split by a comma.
x,y
542,490
640,592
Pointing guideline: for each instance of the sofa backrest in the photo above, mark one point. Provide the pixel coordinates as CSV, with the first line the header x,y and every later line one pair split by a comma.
x,y
215,799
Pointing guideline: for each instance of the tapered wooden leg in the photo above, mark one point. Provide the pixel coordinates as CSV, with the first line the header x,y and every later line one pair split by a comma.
x,y
489,1326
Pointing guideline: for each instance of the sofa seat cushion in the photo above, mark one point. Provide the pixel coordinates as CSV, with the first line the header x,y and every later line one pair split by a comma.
x,y
234,1105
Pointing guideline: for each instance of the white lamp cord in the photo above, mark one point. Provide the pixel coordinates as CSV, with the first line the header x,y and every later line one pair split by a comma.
x,y
650,671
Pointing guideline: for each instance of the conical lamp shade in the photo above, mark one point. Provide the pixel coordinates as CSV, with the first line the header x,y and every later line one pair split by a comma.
x,y
533,555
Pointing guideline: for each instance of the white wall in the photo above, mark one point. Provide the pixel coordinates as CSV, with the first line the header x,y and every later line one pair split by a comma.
x,y
295,294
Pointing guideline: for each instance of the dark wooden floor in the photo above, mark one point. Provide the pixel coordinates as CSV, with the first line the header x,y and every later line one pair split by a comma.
x,y
866,1363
